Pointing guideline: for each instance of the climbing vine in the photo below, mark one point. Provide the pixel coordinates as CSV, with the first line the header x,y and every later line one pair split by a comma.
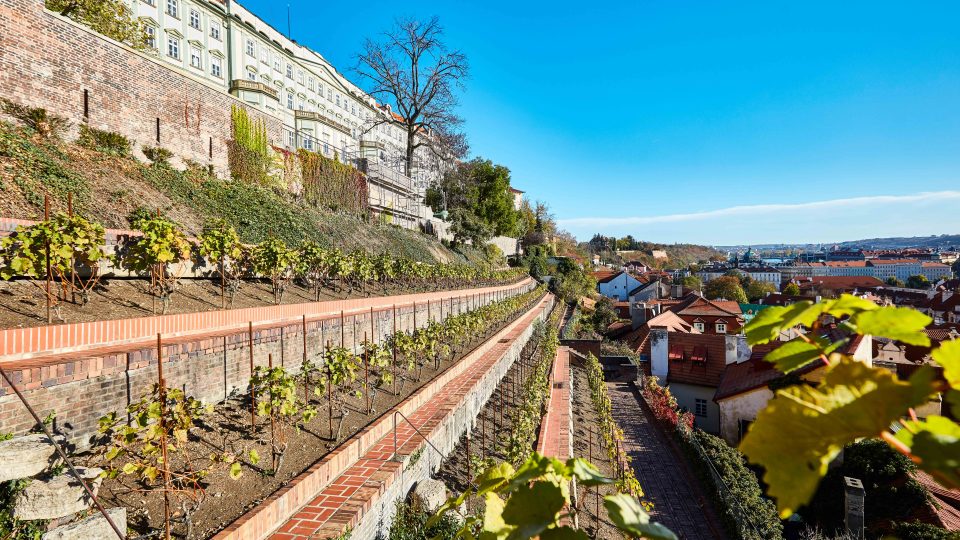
x,y
331,184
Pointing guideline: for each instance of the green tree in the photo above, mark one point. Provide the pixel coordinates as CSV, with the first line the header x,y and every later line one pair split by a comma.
x,y
894,282
604,315
756,290
466,226
692,282
112,18
725,287
792,289
491,197
919,281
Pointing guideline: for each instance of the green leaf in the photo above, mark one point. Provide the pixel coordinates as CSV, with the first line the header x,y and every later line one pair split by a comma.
x,y
948,356
586,473
493,522
254,457
533,508
793,355
936,441
899,323
768,323
235,470
627,514
803,428
494,477
848,304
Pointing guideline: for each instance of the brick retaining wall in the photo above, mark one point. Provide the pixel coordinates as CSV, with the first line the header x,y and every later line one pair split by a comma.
x,y
48,61
209,362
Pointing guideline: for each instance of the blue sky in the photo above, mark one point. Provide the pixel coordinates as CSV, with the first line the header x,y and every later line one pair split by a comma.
x,y
656,118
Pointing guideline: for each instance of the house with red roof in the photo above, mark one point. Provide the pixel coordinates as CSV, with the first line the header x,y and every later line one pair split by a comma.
x,y
617,285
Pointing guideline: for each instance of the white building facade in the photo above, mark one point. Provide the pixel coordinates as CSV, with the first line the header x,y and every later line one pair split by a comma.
x,y
227,46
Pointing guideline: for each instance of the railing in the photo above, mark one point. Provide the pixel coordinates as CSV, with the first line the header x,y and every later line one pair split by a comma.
x,y
323,119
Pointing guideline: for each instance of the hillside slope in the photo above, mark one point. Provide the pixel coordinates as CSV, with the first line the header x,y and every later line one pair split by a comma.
x,y
109,188
678,255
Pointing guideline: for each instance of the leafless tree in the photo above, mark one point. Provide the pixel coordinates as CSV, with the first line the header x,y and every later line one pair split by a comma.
x,y
413,70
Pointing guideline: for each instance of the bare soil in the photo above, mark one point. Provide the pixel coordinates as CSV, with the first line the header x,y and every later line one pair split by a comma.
x,y
228,429
22,302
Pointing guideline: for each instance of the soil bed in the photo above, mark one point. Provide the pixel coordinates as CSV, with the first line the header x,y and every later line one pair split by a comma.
x,y
22,303
228,429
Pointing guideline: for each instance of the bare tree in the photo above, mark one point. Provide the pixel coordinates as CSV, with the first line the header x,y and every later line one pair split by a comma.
x,y
412,69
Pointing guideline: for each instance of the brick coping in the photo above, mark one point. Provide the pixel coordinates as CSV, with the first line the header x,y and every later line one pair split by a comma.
x,y
368,444
554,439
25,343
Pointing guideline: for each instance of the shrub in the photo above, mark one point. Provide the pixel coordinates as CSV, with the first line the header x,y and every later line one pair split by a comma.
x,y
45,124
158,155
923,531
108,142
743,500
410,523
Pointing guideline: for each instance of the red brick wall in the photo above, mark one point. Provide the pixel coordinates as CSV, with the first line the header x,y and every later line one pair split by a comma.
x,y
81,387
47,61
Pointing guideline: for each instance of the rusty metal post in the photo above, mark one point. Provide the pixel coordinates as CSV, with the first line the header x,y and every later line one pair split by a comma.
x,y
46,217
273,427
343,329
366,370
394,347
253,395
162,398
73,274
326,364
303,363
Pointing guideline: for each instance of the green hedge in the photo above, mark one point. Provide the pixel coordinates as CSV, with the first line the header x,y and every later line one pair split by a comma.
x,y
744,498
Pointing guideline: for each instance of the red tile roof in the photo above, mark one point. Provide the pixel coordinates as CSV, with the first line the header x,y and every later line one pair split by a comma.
x,y
946,501
687,371
841,282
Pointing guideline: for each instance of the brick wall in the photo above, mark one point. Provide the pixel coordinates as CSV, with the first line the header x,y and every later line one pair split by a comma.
x,y
48,61
83,386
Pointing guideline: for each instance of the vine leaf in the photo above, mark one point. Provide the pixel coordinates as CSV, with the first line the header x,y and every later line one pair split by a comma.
x,y
627,514
899,323
532,509
587,473
803,428
768,323
493,516
235,470
936,441
795,354
948,356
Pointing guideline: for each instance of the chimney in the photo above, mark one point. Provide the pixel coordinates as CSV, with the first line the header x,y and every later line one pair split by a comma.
x,y
638,314
737,349
659,357
677,291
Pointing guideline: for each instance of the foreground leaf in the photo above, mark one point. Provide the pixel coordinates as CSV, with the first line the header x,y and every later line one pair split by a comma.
x,y
532,509
948,356
627,514
936,441
793,355
899,323
803,428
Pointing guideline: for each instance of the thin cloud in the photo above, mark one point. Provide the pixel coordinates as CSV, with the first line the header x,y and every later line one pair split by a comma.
x,y
754,210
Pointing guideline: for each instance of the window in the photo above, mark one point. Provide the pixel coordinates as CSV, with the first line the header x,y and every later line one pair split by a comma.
x,y
151,36
300,104
291,139
216,66
289,71
251,48
150,2
173,47
251,75
310,83
338,100
300,76
290,100
173,8
215,30
721,328
195,58
329,94
700,407
699,326
195,18
276,62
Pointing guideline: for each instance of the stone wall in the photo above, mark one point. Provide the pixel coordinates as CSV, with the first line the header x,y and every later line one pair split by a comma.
x,y
82,387
52,62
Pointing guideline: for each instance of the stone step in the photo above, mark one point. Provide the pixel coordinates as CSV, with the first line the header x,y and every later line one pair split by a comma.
x,y
94,527
27,456
56,497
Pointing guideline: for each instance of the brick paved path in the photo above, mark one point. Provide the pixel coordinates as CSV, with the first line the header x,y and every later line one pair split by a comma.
x,y
678,500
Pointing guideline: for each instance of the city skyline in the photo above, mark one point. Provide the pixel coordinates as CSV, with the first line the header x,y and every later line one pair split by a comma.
x,y
678,111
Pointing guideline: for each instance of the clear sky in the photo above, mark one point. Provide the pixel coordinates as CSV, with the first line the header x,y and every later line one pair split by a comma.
x,y
711,122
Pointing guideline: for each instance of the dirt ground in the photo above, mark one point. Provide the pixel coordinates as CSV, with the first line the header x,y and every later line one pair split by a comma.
x,y
228,428
22,302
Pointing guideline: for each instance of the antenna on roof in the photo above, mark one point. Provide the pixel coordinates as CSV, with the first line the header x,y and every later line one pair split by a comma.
x,y
288,23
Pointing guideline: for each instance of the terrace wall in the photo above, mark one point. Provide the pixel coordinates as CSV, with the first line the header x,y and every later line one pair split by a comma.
x,y
209,362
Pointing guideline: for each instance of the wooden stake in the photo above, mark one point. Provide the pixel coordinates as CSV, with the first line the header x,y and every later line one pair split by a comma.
x,y
253,395
46,217
162,397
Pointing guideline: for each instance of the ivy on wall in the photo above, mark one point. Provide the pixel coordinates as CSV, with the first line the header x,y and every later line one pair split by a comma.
x,y
331,184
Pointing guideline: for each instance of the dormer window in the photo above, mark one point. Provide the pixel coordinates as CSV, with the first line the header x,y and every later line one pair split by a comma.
x,y
699,326
721,328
